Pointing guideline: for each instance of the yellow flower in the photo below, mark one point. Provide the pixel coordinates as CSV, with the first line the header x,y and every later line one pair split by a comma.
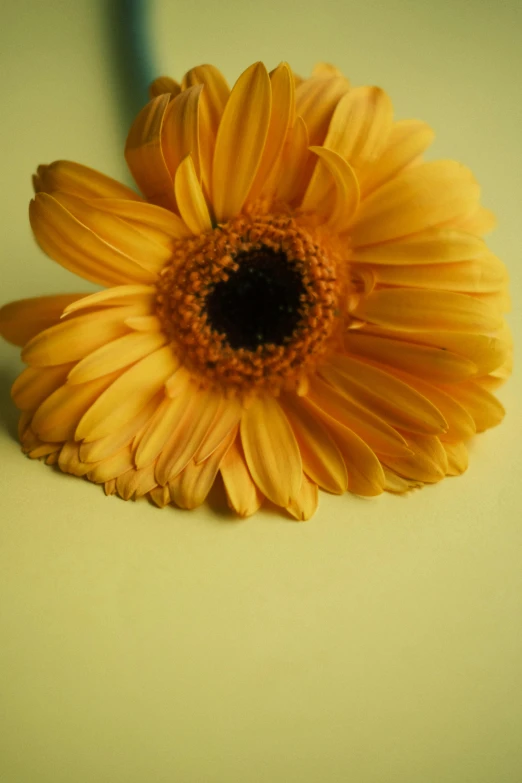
x,y
298,301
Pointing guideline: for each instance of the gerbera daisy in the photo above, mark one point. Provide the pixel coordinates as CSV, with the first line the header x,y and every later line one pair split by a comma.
x,y
297,301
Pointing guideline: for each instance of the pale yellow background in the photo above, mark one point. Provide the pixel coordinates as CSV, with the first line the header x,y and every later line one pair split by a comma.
x,y
380,642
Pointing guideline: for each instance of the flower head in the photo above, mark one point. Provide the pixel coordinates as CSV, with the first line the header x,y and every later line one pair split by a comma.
x,y
297,301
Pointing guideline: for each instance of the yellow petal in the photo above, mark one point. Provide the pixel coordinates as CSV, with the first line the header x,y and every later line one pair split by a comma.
x,y
122,294
365,474
478,221
81,181
271,451
358,131
424,360
190,199
180,129
282,118
120,235
428,461
347,191
331,405
315,102
460,424
457,455
22,320
75,337
160,496
486,274
435,247
158,430
190,488
398,484
297,164
115,441
227,417
387,396
484,351
69,460
420,197
127,395
144,323
57,417
482,406
322,460
211,107
74,246
409,310
242,493
199,410
304,505
34,385
135,482
112,467
157,220
408,139
240,141
144,154
326,70
164,85
115,355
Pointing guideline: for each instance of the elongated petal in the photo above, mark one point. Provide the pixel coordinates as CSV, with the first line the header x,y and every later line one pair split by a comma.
x,y
159,430
190,488
421,197
69,460
322,460
297,164
190,199
457,455
227,417
478,221
484,351
428,461
242,493
434,247
82,181
408,139
282,118
199,409
34,385
409,310
144,323
315,102
22,320
164,85
127,395
365,473
135,482
398,484
420,360
123,294
144,154
271,451
74,338
180,129
347,191
116,355
112,467
102,448
304,505
486,274
240,141
57,417
133,245
162,225
211,107
73,245
334,406
396,402
482,406
460,424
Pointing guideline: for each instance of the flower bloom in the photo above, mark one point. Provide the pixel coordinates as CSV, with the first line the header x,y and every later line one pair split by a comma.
x,y
297,301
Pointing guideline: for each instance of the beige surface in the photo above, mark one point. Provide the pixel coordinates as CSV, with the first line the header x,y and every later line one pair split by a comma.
x,y
379,643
